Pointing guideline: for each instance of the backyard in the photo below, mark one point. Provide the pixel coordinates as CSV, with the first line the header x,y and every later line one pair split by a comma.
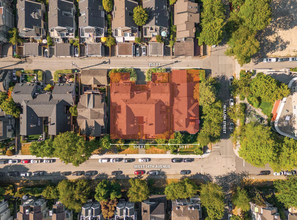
x,y
266,108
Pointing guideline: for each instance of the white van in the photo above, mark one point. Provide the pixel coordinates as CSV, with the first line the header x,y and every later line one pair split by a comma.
x,y
104,160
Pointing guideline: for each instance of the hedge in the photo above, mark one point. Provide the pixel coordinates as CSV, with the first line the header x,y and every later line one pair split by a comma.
x,y
149,72
57,72
293,69
38,72
133,75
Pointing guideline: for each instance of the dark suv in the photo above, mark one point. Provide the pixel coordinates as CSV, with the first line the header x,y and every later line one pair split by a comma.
x,y
265,172
185,172
177,160
13,173
116,173
91,173
78,173
66,173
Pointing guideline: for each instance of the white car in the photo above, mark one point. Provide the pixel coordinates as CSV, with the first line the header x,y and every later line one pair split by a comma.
x,y
115,160
231,102
278,174
25,174
270,60
103,160
293,59
48,161
35,161
13,161
144,160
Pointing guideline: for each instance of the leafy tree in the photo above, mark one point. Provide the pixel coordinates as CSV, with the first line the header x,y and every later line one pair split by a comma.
x,y
9,152
159,39
243,45
3,97
140,16
258,198
74,194
106,190
2,192
212,22
257,145
235,217
43,148
171,2
48,87
242,86
137,40
138,190
120,143
237,3
10,108
49,41
50,192
110,41
212,198
286,191
181,190
73,110
14,37
108,208
72,148
9,190
107,5
205,93
241,200
105,142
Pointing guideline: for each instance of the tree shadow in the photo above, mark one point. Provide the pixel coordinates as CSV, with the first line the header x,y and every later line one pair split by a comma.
x,y
203,177
230,180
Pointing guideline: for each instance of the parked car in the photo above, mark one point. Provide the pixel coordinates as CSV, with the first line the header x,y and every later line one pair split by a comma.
x,y
2,174
231,102
294,172
188,160
289,173
270,60
104,160
139,172
137,51
116,173
231,80
283,59
78,173
154,172
128,160
264,172
3,161
91,173
13,173
66,173
36,161
293,59
144,160
176,160
13,161
25,161
48,161
185,172
38,173
231,127
25,174
143,50
116,160
278,173
230,206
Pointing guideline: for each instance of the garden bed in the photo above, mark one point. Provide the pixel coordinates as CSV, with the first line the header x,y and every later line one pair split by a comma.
x,y
26,149
154,150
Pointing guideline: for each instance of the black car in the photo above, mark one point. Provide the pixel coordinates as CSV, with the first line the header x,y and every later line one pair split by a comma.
x,y
78,173
3,161
265,172
67,173
128,160
13,173
154,172
2,174
91,173
176,160
188,160
116,173
38,173
185,172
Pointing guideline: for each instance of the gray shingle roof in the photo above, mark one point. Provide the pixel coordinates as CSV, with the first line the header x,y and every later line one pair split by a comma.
x,y
94,77
92,13
31,49
94,49
65,91
63,50
156,49
23,91
61,14
157,11
123,14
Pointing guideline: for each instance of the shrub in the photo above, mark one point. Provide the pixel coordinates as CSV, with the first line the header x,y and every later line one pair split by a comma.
x,y
61,72
138,40
9,152
202,75
40,75
133,75
293,69
159,39
171,2
254,101
241,97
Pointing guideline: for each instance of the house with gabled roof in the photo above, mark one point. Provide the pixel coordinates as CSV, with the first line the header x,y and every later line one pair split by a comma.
x,y
186,209
154,208
93,79
92,23
61,20
6,20
266,212
30,15
123,25
158,21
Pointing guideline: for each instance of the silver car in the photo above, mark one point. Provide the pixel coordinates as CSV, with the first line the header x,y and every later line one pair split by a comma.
x,y
293,59
13,161
144,160
270,60
48,161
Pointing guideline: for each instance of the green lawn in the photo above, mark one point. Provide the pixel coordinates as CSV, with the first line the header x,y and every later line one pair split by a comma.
x,y
266,107
29,78
33,137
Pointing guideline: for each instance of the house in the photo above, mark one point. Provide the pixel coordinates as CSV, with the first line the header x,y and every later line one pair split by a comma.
x,y
186,15
5,213
30,19
31,49
92,23
267,212
6,20
93,79
42,109
60,213
61,19
34,209
155,49
123,25
125,49
154,208
91,110
91,210
5,79
63,50
125,210
95,50
157,23
186,209
7,126
184,48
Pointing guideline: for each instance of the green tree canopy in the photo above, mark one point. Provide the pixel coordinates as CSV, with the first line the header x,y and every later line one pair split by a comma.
x,y
14,37
73,194
72,148
50,192
286,191
107,5
212,198
140,16
206,94
212,22
110,41
43,148
2,192
181,190
241,200
10,108
257,144
138,190
3,97
73,110
242,86
105,142
106,190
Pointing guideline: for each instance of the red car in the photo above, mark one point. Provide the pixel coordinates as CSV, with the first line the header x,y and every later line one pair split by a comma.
x,y
26,161
139,172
